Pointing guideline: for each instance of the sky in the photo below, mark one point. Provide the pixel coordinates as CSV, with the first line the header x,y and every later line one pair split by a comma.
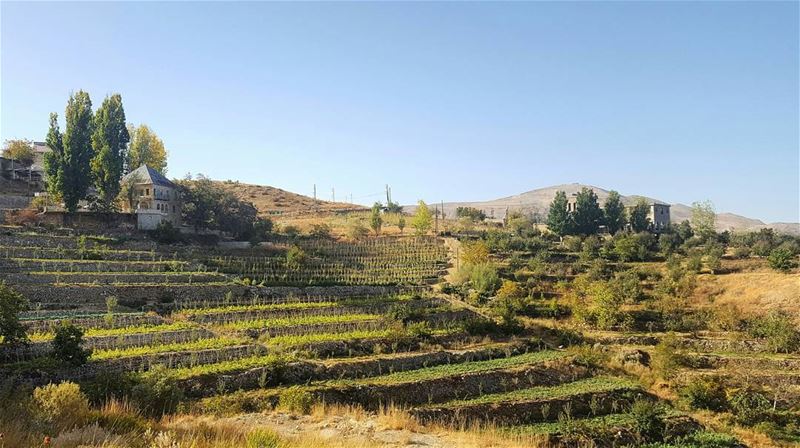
x,y
443,101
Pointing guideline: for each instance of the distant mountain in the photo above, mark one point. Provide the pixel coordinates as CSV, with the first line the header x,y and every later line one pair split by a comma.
x,y
537,201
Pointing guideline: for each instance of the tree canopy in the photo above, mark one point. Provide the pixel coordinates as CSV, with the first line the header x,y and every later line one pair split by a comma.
x,y
19,150
110,142
614,213
704,218
146,149
423,220
558,217
587,216
639,219
67,166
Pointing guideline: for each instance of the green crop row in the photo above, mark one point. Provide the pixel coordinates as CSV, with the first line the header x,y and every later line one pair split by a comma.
x,y
446,370
295,321
256,307
235,365
137,329
597,384
201,344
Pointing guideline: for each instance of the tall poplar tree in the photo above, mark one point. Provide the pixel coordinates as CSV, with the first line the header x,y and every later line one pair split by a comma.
x,y
70,165
558,217
110,142
614,213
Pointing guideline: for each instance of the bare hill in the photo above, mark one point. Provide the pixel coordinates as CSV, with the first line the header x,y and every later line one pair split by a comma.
x,y
537,201
271,200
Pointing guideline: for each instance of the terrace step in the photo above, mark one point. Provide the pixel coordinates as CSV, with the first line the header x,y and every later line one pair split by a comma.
x,y
117,320
581,398
305,371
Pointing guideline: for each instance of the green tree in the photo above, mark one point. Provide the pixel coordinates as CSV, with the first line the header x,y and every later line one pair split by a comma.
x,y
704,218
782,259
614,213
587,216
423,220
558,217
684,230
110,142
375,219
67,166
146,149
67,345
19,150
638,216
401,223
11,304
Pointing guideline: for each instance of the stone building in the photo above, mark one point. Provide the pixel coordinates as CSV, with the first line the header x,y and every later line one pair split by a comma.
x,y
659,216
154,198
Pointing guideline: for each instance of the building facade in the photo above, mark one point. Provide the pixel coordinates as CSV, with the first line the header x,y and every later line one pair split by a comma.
x,y
154,198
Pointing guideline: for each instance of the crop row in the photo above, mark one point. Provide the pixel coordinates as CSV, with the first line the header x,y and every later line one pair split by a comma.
x,y
34,265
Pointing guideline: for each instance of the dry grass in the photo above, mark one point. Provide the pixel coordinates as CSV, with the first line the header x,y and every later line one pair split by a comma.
x,y
751,292
270,199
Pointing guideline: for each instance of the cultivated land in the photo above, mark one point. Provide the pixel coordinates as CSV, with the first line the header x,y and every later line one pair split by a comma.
x,y
363,343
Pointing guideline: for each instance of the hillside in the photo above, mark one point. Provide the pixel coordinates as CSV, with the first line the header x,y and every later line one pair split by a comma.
x,y
537,201
270,200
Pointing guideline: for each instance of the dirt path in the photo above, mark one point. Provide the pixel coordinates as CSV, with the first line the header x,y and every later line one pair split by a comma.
x,y
345,430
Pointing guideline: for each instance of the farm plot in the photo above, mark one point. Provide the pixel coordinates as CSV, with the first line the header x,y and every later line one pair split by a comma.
x,y
387,261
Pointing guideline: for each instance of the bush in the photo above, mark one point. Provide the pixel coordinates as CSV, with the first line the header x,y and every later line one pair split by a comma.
x,y
295,257
706,393
667,357
777,330
62,405
484,278
166,233
296,399
648,419
67,345
156,392
782,260
264,438
320,230
11,304
588,356
357,231
749,406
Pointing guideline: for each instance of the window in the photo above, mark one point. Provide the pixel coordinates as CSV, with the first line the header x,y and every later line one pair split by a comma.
x,y
147,192
173,209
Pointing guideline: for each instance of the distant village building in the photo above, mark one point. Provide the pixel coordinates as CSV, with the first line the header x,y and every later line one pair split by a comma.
x,y
658,214
155,198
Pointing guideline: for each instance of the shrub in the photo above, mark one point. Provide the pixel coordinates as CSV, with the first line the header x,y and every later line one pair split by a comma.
x,y
291,231
782,260
264,438
62,405
11,304
777,330
626,286
67,345
648,419
295,399
476,252
484,279
156,392
706,393
322,230
295,257
749,406
741,252
588,356
667,357
357,231
166,233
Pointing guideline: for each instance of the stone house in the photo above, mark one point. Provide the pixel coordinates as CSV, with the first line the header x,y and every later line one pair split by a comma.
x,y
659,216
154,198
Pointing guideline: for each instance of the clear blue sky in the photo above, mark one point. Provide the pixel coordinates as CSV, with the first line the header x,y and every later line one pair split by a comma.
x,y
443,101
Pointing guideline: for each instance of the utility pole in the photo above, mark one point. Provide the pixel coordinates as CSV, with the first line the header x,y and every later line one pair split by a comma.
x,y
442,203
315,192
436,226
388,195
333,194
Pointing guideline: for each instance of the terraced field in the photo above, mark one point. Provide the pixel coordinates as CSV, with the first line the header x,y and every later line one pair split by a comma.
x,y
363,330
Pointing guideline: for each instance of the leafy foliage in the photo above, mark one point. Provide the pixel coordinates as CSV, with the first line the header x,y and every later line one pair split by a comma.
x,y
11,304
558,217
67,345
614,213
109,142
423,219
146,149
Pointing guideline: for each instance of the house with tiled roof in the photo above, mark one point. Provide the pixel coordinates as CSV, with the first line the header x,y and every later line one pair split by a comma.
x,y
153,198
